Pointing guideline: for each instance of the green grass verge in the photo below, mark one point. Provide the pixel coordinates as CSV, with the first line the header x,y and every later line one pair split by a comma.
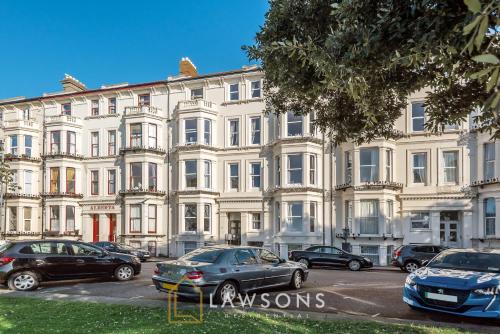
x,y
28,315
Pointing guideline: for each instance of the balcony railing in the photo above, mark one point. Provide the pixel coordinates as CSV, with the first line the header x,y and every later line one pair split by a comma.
x,y
21,123
68,119
137,110
61,194
196,104
142,191
55,155
22,157
22,195
139,149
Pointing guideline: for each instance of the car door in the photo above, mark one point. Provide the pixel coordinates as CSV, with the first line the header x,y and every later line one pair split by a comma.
x,y
51,259
424,253
332,256
316,255
276,271
246,269
90,261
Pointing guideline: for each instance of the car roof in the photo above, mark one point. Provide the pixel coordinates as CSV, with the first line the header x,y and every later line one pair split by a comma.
x,y
474,250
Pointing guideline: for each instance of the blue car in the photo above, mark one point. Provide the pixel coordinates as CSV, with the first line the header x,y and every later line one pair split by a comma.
x,y
463,282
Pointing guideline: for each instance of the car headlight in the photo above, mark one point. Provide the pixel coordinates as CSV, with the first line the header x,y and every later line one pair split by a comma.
x,y
493,290
409,280
367,259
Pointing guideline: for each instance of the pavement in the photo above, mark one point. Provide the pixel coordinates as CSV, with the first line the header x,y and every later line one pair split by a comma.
x,y
329,293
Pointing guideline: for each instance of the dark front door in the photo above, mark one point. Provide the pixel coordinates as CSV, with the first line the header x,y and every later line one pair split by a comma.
x,y
95,228
235,232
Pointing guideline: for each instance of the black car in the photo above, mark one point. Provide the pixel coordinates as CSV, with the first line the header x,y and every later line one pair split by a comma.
x,y
330,256
114,247
24,264
411,257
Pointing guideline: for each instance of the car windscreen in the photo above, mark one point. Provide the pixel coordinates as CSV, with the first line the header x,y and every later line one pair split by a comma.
x,y
203,255
471,261
126,247
4,246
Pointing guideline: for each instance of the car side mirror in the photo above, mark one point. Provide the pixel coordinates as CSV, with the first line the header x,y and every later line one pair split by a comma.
x,y
282,261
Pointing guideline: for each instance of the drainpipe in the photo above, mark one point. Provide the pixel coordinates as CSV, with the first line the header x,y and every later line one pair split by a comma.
x,y
44,141
331,194
323,183
168,171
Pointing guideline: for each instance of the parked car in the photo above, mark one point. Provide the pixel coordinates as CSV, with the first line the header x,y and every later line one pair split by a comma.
x,y
24,264
464,282
114,247
224,271
411,257
330,256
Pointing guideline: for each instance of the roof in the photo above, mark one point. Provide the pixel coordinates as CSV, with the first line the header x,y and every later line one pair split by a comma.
x,y
130,86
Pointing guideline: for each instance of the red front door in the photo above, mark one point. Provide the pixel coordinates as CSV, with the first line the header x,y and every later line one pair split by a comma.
x,y
95,223
112,228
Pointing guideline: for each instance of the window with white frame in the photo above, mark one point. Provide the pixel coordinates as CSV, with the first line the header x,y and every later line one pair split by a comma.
x,y
197,94
348,210
28,145
112,105
13,145
489,161
295,216
152,176
94,182
417,117
94,144
278,171
419,220
12,218
135,175
389,216
70,218
368,216
207,217
419,167
255,89
207,131
66,109
312,122
450,167
191,130
388,165
136,135
312,169
144,100
256,225
234,132
54,218
70,180
190,218
153,135
347,167
371,252
135,218
191,173
294,124
152,218
94,107
368,164
55,142
26,114
27,218
234,92
277,216
255,130
490,214
28,181
111,181
207,174
313,211
71,143
255,170
294,169
234,176
112,142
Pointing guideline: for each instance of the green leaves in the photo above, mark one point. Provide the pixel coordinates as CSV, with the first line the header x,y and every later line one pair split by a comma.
x,y
486,58
473,5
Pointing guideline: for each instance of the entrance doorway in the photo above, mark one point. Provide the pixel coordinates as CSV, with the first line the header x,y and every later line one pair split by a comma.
x,y
234,229
95,228
112,227
450,229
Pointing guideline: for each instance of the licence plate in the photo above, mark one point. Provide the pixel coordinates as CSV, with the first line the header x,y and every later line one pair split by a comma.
x,y
444,298
168,286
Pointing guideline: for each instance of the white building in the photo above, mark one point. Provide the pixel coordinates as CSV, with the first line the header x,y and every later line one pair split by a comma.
x,y
192,160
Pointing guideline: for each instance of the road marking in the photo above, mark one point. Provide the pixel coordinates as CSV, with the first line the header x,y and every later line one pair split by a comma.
x,y
136,297
353,298
375,315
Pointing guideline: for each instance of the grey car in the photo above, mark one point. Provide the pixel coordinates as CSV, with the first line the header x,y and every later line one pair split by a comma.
x,y
223,272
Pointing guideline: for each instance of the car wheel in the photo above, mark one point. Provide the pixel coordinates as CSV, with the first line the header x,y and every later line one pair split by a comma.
x,y
354,265
306,262
226,292
411,266
124,272
297,280
23,281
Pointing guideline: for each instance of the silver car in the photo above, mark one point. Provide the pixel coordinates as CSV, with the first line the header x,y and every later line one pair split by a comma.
x,y
223,272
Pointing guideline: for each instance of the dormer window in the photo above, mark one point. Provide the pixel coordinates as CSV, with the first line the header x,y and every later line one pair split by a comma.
x,y
66,109
197,94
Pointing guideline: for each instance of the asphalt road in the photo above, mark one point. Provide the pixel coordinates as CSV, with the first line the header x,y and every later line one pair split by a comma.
x,y
370,293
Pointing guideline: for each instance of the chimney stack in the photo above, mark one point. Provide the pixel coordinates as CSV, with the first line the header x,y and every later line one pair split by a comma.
x,y
71,84
187,68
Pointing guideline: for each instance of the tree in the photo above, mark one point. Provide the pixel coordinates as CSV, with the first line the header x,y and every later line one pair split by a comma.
x,y
6,184
355,62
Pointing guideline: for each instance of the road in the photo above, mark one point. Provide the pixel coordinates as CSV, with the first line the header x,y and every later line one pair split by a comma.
x,y
370,293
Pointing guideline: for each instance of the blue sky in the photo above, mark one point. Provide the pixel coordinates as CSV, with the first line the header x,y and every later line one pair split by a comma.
x,y
104,42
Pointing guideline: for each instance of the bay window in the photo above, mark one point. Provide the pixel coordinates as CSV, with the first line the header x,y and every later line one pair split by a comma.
x,y
207,132
294,169
54,180
207,175
490,214
313,208
368,162
190,218
13,145
135,175
28,145
278,171
54,218
368,219
135,218
347,167
294,124
312,169
136,135
152,177
70,180
207,217
388,165
277,216
191,170
27,218
152,211
489,161
388,216
294,216
71,142
153,135
28,181
55,142
70,218
191,130
12,218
